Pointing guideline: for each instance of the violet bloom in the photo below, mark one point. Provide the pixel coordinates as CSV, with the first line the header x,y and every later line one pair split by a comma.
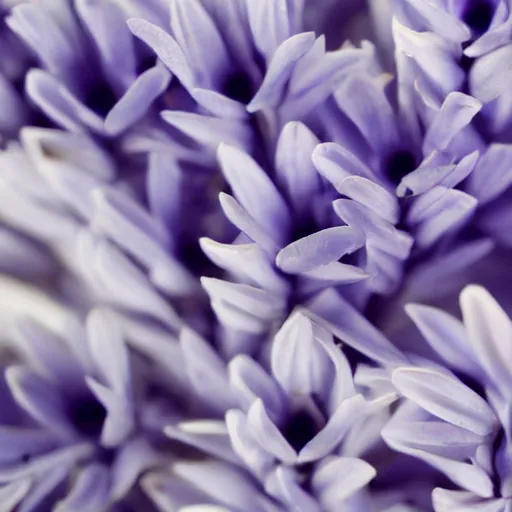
x,y
470,42
281,231
51,184
299,429
456,415
88,77
89,408
298,225
293,423
52,179
251,58
70,431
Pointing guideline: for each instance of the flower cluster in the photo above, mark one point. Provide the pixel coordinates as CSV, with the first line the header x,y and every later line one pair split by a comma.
x,y
254,255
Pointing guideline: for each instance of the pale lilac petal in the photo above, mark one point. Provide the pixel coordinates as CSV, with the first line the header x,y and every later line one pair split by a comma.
x,y
350,327
209,131
79,152
60,104
16,443
269,24
291,491
493,173
132,460
40,398
119,421
12,494
209,436
335,273
200,41
371,195
90,491
131,227
436,437
299,362
490,74
489,332
163,179
218,104
436,56
245,444
364,101
48,481
222,482
249,381
107,25
254,301
446,335
347,413
319,249
339,478
239,320
46,352
255,191
382,234
466,475
439,211
268,435
426,177
444,500
279,70
122,281
245,260
456,113
441,21
343,385
206,370
108,350
238,216
336,163
447,398
135,102
166,48
294,166
63,458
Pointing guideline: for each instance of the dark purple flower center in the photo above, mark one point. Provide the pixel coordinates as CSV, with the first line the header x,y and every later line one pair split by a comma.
x,y
398,165
478,15
100,98
87,415
300,429
238,87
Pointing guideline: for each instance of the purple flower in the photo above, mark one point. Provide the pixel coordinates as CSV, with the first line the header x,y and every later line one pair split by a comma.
x,y
300,414
69,406
456,413
107,97
271,239
251,58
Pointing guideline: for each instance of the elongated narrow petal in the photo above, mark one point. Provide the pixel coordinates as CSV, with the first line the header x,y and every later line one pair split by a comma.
x,y
488,330
279,71
90,492
339,478
268,435
319,249
446,398
255,191
299,362
205,368
166,48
